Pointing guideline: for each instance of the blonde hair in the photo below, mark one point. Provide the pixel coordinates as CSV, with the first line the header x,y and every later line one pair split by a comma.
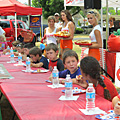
x,y
95,13
51,18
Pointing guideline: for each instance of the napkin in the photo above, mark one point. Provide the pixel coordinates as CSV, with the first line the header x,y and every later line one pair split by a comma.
x,y
72,98
96,111
60,85
19,64
26,71
11,62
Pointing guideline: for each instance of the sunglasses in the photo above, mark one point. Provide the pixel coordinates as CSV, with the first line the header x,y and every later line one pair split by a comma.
x,y
92,12
110,20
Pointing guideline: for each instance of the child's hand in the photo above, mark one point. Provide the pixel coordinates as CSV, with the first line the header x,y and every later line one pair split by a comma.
x,y
32,64
80,81
50,78
117,108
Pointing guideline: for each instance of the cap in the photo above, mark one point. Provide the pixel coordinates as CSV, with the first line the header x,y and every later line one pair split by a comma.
x,y
56,14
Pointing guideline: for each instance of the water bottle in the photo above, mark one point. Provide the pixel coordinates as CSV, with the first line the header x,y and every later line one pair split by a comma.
x,y
90,97
11,56
28,68
55,78
20,59
68,87
8,50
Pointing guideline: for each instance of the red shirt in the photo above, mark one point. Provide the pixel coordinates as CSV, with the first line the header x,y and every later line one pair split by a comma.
x,y
100,90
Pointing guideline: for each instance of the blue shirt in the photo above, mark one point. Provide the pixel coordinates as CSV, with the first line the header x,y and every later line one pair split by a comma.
x,y
44,61
62,74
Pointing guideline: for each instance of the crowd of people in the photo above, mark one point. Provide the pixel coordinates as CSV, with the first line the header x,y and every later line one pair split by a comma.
x,y
46,55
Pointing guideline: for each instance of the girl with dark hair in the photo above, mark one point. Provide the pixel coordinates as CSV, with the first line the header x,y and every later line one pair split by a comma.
x,y
68,25
90,70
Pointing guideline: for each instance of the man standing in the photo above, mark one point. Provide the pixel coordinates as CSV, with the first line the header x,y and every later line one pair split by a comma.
x,y
57,21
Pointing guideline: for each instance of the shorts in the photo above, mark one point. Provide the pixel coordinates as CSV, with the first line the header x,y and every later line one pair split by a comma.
x,y
94,53
66,44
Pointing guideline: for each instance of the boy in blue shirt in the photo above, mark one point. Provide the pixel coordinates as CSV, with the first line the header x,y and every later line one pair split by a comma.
x,y
37,59
70,61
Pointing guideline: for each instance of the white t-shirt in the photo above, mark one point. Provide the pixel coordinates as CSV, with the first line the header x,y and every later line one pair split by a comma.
x,y
92,35
59,24
50,36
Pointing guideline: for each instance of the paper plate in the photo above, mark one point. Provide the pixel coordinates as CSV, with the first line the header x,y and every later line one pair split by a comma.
x,y
41,71
78,91
109,116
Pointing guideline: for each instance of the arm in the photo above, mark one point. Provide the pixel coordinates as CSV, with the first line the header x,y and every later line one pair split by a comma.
x,y
36,65
71,27
98,37
115,105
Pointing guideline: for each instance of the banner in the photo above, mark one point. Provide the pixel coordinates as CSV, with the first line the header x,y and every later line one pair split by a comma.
x,y
73,2
117,70
35,21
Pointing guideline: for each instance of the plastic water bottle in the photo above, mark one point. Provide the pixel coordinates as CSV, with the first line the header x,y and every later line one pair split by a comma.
x,y
11,56
8,49
55,78
20,59
68,87
28,68
90,97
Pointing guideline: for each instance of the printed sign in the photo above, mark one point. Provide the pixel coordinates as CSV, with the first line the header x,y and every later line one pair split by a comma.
x,y
35,21
73,2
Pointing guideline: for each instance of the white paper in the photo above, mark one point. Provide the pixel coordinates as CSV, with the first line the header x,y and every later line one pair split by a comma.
x,y
72,98
60,85
96,111
11,62
19,64
26,71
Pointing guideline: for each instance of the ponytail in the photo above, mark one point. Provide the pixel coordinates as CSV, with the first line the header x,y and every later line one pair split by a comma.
x,y
106,91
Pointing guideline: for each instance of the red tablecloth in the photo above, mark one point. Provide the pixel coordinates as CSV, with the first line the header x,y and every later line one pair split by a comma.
x,y
38,102
110,63
33,100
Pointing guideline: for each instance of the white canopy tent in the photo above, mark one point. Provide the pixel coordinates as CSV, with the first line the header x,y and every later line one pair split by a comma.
x,y
104,3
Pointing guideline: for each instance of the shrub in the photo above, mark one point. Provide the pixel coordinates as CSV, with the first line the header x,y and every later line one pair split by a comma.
x,y
78,30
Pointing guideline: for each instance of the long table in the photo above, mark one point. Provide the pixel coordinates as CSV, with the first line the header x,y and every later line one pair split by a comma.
x,y
31,99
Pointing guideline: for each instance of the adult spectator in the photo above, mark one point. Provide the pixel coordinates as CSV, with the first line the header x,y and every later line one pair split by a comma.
x,y
50,31
111,22
57,21
93,17
67,25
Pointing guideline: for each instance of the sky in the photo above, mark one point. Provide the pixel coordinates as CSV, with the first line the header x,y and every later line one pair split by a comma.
x,y
23,1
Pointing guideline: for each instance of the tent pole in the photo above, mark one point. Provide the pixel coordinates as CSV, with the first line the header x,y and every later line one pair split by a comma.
x,y
15,26
107,27
102,35
42,24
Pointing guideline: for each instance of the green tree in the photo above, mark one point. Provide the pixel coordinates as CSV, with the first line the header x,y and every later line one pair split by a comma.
x,y
50,7
118,12
110,10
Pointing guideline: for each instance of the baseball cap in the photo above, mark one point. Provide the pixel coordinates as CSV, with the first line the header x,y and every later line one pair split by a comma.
x,y
56,14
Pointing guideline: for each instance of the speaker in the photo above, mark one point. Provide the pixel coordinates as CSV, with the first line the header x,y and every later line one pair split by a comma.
x,y
94,4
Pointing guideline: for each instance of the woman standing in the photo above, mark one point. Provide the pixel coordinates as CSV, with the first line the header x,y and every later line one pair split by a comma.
x,y
50,31
68,25
93,17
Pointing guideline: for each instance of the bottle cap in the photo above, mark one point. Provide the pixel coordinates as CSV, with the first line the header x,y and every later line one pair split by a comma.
x,y
68,75
90,84
55,67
